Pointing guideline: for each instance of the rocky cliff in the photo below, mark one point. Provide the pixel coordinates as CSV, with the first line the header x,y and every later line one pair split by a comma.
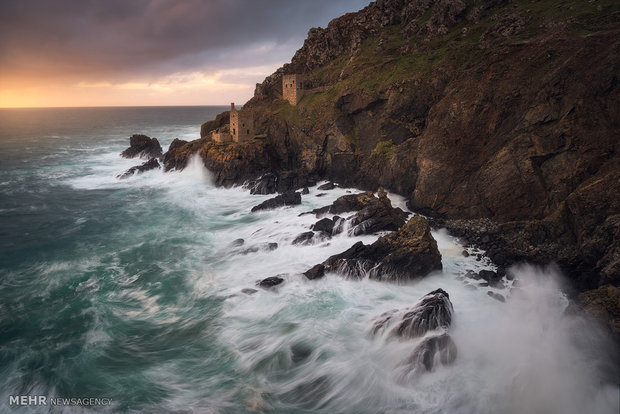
x,y
499,118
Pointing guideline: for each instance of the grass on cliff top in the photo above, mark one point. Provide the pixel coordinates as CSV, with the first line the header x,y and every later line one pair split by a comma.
x,y
381,64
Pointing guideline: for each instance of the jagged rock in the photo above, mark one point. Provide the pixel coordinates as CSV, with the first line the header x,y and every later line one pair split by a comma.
x,y
304,238
348,202
408,253
378,216
286,199
327,186
469,139
433,311
265,184
305,191
424,356
176,143
496,296
148,165
142,146
316,272
325,225
270,282
373,213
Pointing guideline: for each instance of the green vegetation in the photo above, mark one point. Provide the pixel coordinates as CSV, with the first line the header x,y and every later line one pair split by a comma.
x,y
388,59
384,149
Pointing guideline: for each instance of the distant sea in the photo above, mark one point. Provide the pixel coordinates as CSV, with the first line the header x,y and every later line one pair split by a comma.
x,y
137,295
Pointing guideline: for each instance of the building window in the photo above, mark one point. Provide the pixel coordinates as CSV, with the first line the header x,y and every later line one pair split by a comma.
x,y
248,132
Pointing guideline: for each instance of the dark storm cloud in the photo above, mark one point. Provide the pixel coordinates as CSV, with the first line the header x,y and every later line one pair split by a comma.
x,y
152,37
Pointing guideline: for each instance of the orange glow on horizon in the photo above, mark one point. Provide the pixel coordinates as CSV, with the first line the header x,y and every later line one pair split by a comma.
x,y
191,88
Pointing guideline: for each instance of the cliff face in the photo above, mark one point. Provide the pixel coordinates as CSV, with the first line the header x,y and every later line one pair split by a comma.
x,y
501,112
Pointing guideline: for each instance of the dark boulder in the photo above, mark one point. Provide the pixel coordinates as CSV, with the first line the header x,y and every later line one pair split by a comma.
x,y
373,213
316,272
349,202
408,253
270,282
286,199
148,165
379,215
305,191
142,146
492,277
327,186
433,311
325,225
304,238
265,184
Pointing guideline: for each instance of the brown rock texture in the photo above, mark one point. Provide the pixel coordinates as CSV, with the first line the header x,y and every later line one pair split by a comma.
x,y
408,253
500,119
142,146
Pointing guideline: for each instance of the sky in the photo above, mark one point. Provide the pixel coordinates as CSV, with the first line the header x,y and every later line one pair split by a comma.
x,y
149,52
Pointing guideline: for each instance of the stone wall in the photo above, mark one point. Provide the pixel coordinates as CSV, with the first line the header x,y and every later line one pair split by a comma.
x,y
241,124
292,88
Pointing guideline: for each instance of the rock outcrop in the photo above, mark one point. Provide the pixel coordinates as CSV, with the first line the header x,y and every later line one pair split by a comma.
x,y
290,198
142,146
433,311
499,116
148,165
408,253
430,319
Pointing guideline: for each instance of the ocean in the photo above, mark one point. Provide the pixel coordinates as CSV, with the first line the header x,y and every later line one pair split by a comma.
x,y
128,295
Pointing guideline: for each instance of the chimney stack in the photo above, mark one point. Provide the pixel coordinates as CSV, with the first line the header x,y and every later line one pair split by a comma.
x,y
232,106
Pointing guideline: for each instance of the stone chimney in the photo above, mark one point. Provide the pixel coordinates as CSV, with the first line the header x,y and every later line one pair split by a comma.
x,y
232,106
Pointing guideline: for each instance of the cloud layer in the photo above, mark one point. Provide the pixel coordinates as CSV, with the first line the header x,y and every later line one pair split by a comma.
x,y
153,43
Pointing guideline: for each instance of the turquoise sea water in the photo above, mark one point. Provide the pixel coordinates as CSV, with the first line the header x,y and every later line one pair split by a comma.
x,y
130,290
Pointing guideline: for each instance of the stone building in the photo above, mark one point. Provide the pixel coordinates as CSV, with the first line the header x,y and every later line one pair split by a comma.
x,y
221,136
292,88
241,124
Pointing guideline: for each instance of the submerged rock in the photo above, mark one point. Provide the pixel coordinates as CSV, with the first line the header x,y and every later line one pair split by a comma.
x,y
438,348
237,243
148,165
286,199
304,238
496,296
433,311
142,146
408,253
259,247
270,282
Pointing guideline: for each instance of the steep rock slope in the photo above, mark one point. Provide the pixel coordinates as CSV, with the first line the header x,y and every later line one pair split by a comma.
x,y
499,118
